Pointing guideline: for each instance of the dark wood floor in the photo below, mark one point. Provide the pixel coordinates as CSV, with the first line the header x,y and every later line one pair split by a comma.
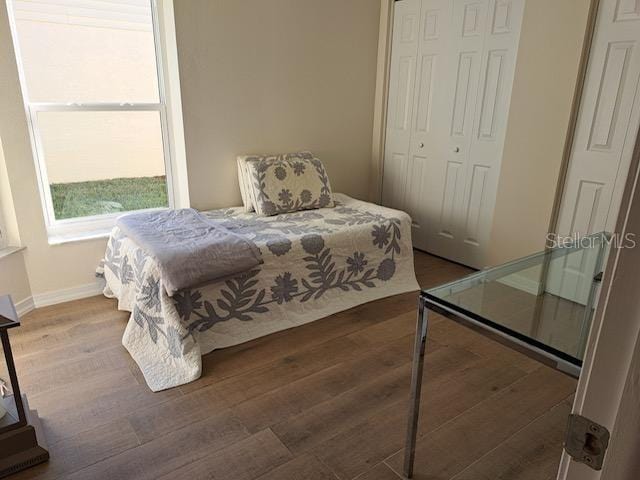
x,y
327,400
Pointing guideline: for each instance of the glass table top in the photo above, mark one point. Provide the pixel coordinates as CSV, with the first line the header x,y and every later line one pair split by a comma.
x,y
545,300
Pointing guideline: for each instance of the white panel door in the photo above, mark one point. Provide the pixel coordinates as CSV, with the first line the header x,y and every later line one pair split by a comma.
x,y
446,125
453,129
428,129
607,124
483,38
484,159
406,25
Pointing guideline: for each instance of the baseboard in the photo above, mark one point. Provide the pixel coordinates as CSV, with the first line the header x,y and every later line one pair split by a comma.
x,y
24,306
59,296
522,283
68,294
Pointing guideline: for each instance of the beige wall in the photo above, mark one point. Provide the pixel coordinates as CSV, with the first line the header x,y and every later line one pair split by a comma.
x,y
13,273
14,280
50,268
11,234
545,80
272,76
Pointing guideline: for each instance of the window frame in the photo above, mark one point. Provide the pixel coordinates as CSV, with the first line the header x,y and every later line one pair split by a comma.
x,y
95,225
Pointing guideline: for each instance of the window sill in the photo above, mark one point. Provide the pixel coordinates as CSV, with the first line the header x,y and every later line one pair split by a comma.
x,y
6,251
62,239
88,228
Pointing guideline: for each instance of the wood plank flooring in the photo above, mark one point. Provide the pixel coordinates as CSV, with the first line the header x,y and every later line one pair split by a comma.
x,y
324,401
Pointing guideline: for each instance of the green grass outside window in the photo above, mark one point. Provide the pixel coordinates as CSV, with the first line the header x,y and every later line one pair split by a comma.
x,y
83,199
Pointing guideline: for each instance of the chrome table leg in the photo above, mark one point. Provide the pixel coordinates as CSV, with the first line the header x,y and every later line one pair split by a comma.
x,y
416,387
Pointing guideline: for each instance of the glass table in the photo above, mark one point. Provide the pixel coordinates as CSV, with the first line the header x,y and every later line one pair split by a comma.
x,y
541,305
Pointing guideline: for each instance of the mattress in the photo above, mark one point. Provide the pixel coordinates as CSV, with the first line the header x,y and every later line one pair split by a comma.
x,y
316,263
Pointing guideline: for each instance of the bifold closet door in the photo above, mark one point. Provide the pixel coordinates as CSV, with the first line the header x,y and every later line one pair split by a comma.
x,y
497,71
453,129
406,26
443,153
417,106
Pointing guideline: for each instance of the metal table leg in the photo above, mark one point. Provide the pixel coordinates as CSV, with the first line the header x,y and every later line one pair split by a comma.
x,y
416,388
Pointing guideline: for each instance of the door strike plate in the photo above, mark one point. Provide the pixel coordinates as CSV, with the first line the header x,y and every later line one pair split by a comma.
x,y
586,441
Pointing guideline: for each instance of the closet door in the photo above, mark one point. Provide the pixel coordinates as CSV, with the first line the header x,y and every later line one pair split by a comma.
x,y
604,139
482,171
446,124
483,39
406,26
453,129
428,128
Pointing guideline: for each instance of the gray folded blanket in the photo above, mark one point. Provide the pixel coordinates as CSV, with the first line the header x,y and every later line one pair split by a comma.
x,y
190,249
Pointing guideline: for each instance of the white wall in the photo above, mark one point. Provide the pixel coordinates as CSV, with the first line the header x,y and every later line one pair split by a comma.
x,y
273,76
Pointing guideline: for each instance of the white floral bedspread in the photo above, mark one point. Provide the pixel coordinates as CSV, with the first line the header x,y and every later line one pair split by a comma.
x,y
316,263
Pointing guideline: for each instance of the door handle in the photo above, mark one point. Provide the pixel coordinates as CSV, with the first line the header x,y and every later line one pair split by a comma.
x,y
421,145
456,149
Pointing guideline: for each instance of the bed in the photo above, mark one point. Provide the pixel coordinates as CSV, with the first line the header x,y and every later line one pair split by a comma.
x,y
315,263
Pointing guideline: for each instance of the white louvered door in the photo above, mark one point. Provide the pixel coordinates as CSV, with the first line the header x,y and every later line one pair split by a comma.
x,y
447,179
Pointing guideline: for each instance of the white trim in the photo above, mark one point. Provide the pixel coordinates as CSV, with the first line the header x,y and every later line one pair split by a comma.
x,y
84,228
23,86
69,294
24,306
523,283
81,236
168,46
95,107
381,99
6,251
59,296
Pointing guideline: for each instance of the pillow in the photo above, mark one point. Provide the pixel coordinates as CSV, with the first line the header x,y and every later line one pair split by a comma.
x,y
288,183
244,180
245,183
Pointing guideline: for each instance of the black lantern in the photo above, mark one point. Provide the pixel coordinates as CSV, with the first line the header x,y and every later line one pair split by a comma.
x,y
19,448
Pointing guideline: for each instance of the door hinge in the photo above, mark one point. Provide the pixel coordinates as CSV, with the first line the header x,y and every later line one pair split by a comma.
x,y
586,441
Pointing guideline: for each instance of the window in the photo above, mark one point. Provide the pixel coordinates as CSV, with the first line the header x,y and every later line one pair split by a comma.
x,y
93,90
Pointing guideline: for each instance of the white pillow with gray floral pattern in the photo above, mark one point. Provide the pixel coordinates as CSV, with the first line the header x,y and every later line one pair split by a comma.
x,y
288,183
